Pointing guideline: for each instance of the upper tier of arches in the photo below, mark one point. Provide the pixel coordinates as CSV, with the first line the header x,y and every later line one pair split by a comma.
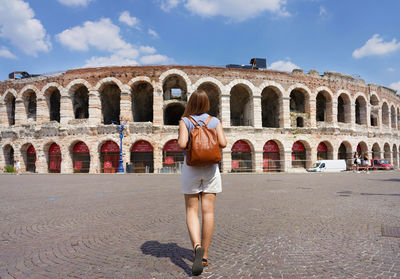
x,y
237,103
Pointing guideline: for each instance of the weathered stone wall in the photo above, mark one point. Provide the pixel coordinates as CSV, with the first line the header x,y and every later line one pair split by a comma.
x,y
220,84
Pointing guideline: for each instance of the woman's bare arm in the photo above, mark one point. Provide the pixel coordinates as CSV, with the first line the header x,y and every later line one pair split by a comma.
x,y
221,136
183,135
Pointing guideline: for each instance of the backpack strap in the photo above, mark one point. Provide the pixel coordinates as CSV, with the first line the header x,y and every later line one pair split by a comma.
x,y
193,121
208,120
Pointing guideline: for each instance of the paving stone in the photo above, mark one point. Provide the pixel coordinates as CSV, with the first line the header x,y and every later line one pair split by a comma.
x,y
266,228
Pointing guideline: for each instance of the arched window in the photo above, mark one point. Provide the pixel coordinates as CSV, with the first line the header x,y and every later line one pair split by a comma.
x,y
54,159
110,104
343,110
374,110
81,158
55,105
175,88
385,114
361,111
10,107
241,108
29,99
271,157
322,151
241,157
324,107
299,155
172,157
270,108
31,159
142,157
109,157
81,103
8,152
173,113
142,102
376,151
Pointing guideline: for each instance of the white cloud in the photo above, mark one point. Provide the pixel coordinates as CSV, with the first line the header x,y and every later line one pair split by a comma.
x,y
152,33
126,18
156,59
238,10
395,85
391,69
4,52
113,60
285,66
103,35
167,5
18,25
322,11
75,3
376,46
147,49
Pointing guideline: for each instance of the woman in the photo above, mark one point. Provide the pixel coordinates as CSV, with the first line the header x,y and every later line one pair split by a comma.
x,y
356,162
200,183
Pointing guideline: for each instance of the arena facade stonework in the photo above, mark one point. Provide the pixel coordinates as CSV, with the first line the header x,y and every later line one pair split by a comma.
x,y
274,121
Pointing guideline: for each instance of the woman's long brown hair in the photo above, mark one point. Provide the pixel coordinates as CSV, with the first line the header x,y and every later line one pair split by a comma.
x,y
198,103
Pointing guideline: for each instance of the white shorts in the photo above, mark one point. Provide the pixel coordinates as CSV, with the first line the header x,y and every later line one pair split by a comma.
x,y
201,179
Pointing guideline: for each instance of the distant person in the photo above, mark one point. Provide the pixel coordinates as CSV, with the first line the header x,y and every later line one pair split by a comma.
x,y
18,167
200,183
356,162
366,162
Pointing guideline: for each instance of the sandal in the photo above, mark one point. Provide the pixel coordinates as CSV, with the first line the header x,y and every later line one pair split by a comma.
x,y
205,262
197,267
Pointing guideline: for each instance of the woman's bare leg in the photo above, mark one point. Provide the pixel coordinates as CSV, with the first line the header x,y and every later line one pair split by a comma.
x,y
207,211
192,217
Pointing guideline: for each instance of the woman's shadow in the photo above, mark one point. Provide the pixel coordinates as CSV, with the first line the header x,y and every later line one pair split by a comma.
x,y
169,250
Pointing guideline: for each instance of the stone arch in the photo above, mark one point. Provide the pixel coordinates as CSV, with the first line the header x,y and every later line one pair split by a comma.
x,y
324,104
362,148
9,154
301,158
374,114
387,153
176,85
9,91
109,159
345,153
9,102
385,114
54,161
29,95
272,160
213,88
110,81
376,151
272,107
179,73
110,97
360,109
299,105
142,156
28,157
393,116
78,91
80,155
398,118
327,153
343,107
173,113
52,93
241,103
242,155
142,94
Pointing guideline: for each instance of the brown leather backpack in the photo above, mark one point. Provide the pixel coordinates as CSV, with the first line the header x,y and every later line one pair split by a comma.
x,y
203,147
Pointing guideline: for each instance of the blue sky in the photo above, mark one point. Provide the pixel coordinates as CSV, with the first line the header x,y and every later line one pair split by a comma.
x,y
355,37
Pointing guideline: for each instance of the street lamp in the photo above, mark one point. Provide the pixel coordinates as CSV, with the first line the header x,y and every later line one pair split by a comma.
x,y
121,136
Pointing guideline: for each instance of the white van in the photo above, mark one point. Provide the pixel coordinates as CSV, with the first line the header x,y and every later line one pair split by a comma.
x,y
328,166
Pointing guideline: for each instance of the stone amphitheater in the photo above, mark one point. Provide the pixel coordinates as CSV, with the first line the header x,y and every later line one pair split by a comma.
x,y
274,121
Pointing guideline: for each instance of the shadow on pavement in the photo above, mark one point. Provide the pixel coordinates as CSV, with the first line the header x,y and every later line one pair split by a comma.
x,y
169,250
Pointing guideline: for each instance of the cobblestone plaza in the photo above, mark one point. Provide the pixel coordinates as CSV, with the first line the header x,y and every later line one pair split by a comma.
x,y
133,226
